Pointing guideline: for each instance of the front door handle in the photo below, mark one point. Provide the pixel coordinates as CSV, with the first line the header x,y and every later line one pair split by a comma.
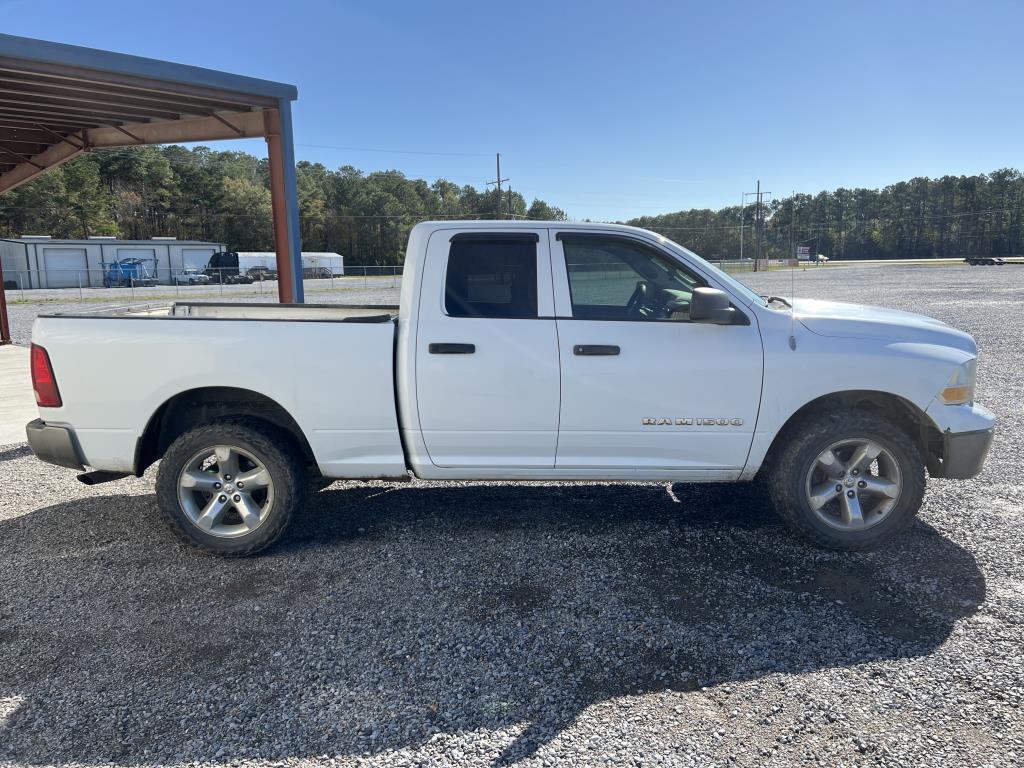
x,y
595,349
451,349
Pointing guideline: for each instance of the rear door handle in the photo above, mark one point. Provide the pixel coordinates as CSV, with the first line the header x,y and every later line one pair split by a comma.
x,y
449,348
595,349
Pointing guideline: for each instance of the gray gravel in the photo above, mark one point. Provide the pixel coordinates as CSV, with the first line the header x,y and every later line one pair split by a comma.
x,y
550,624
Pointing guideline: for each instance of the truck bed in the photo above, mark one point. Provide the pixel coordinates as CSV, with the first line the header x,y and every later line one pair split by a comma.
x,y
346,313
330,367
341,313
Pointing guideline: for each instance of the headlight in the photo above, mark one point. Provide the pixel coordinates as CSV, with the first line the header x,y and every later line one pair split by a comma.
x,y
960,387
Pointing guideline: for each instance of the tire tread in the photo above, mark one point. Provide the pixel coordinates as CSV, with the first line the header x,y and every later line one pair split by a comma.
x,y
786,478
289,487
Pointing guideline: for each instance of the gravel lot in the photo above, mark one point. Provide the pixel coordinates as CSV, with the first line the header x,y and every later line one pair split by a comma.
x,y
545,624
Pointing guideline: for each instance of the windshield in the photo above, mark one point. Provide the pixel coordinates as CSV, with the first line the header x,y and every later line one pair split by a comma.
x,y
724,277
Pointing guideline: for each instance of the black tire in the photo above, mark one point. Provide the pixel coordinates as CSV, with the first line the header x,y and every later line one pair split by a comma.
x,y
266,444
788,474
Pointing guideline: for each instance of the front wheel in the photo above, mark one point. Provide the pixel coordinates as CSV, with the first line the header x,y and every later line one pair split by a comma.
x,y
229,488
848,480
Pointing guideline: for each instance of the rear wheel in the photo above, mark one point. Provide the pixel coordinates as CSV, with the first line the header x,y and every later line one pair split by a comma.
x,y
848,480
229,489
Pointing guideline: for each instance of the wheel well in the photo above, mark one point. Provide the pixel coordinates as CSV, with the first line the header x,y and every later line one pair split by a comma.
x,y
904,414
208,404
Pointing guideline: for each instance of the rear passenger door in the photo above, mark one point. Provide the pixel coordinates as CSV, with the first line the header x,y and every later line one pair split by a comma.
x,y
487,369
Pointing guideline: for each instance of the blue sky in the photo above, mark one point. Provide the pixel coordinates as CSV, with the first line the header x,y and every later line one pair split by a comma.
x,y
610,110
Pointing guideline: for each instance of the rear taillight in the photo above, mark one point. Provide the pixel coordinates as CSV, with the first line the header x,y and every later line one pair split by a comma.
x,y
43,381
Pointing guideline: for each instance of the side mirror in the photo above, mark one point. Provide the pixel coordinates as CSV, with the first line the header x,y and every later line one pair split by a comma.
x,y
710,305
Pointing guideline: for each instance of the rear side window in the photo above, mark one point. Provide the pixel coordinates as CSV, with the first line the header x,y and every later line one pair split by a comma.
x,y
491,278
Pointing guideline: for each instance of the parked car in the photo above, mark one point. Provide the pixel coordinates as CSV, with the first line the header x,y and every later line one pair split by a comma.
x,y
262,273
520,351
316,273
191,276
128,272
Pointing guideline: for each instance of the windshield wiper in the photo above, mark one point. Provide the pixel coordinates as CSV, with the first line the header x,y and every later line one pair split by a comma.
x,y
770,299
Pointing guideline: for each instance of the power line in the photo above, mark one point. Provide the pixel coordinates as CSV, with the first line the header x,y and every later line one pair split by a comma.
x,y
397,151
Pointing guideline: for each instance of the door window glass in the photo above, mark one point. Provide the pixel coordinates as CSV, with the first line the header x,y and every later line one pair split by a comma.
x,y
615,279
491,279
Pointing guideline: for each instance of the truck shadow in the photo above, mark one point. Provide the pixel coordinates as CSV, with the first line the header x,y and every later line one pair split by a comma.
x,y
392,613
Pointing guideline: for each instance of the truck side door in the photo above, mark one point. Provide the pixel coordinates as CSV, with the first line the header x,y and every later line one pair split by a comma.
x,y
487,371
642,386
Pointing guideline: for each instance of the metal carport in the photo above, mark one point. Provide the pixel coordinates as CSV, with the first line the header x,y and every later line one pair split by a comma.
x,y
58,101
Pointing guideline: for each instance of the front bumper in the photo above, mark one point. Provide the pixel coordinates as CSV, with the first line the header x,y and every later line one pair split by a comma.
x,y
964,453
53,444
966,438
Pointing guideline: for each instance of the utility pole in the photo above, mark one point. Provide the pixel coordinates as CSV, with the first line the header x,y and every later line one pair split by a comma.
x,y
757,217
743,202
792,223
497,180
758,222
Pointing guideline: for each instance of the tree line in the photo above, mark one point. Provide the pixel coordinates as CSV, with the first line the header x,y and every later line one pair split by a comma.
x,y
202,194
917,219
199,193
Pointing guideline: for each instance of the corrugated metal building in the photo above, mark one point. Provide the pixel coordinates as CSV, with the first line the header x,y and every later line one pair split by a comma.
x,y
45,262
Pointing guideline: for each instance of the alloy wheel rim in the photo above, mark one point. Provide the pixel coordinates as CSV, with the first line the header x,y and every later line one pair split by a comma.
x,y
225,491
853,484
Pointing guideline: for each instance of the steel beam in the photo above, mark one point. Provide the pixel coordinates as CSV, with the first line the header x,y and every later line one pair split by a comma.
x,y
35,83
12,153
36,117
56,155
5,325
21,124
291,195
156,86
245,125
58,137
99,106
42,112
250,125
75,62
24,146
284,208
33,135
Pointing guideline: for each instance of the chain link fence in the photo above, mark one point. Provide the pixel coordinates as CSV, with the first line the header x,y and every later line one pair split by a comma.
x,y
117,284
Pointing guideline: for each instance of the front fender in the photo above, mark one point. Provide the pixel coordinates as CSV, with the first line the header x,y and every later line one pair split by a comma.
x,y
821,366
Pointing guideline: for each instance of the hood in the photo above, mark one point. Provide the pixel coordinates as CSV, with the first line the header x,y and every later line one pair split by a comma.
x,y
858,321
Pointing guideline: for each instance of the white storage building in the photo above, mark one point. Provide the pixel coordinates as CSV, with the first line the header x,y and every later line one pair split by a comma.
x,y
311,260
45,262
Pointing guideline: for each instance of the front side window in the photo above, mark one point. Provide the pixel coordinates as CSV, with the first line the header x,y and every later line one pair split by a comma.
x,y
615,279
491,278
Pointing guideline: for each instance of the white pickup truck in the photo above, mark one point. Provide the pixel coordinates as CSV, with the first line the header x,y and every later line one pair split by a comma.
x,y
520,351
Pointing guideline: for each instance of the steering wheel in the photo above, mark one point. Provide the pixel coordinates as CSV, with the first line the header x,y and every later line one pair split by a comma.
x,y
637,300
